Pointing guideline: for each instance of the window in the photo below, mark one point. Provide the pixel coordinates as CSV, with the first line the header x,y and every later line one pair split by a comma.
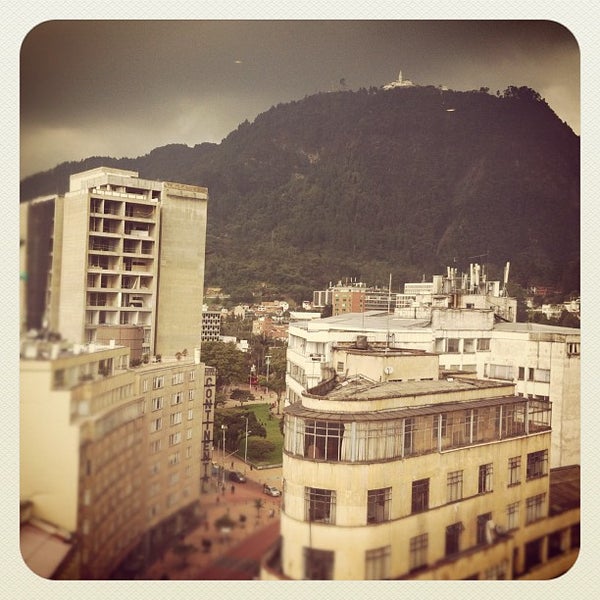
x,y
482,526
175,418
542,375
512,516
418,551
484,484
174,458
191,394
505,372
573,349
469,345
319,505
157,403
190,414
514,470
453,345
188,433
483,344
155,446
420,496
192,375
188,452
453,538
530,373
176,398
409,426
437,420
155,425
176,378
455,486
472,426
534,508
537,464
175,438
340,367
378,505
158,382
154,469
440,345
378,563
533,553
556,543
322,439
318,564
521,374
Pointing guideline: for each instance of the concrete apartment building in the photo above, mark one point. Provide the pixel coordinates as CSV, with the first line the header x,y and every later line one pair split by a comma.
x,y
113,458
116,249
420,478
211,325
116,407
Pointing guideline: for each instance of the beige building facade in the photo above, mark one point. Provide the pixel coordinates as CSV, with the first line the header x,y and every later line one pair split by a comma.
x,y
542,361
418,479
123,250
113,458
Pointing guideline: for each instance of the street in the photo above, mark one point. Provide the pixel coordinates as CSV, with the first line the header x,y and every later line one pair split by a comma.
x,y
234,551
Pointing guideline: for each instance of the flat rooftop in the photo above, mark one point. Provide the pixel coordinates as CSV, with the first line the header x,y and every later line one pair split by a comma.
x,y
360,388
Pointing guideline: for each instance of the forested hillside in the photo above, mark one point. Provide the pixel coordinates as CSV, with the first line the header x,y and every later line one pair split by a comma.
x,y
368,183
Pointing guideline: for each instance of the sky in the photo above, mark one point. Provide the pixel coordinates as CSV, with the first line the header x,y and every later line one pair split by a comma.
x,y
122,88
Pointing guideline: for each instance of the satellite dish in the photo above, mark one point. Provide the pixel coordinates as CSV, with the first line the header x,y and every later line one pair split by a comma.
x,y
388,370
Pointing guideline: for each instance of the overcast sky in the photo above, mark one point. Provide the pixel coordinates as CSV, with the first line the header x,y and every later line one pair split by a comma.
x,y
122,88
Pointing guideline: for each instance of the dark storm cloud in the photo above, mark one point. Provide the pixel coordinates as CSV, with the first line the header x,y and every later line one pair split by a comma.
x,y
124,87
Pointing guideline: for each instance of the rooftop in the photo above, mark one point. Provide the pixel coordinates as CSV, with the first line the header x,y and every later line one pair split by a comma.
x,y
360,388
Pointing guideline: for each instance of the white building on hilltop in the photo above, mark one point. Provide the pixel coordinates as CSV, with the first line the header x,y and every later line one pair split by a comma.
x,y
399,83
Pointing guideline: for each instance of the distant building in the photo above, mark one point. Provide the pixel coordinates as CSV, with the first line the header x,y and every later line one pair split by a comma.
x,y
392,473
113,459
109,252
211,325
399,83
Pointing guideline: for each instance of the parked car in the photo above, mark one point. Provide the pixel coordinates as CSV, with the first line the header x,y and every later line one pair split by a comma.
x,y
237,477
271,490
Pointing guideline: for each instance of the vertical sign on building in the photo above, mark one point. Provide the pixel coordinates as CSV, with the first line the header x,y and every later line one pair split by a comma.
x,y
210,378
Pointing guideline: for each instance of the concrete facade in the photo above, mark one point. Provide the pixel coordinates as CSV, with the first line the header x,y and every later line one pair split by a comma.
x,y
112,458
466,341
124,251
426,479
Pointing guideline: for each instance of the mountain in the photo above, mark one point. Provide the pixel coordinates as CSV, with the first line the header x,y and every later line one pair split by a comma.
x,y
368,183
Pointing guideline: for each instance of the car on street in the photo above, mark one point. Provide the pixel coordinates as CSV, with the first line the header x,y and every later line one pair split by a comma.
x,y
271,490
237,477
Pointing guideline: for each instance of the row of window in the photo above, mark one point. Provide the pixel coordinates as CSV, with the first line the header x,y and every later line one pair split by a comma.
x,y
159,380
158,402
365,441
469,345
507,372
318,564
320,503
174,419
